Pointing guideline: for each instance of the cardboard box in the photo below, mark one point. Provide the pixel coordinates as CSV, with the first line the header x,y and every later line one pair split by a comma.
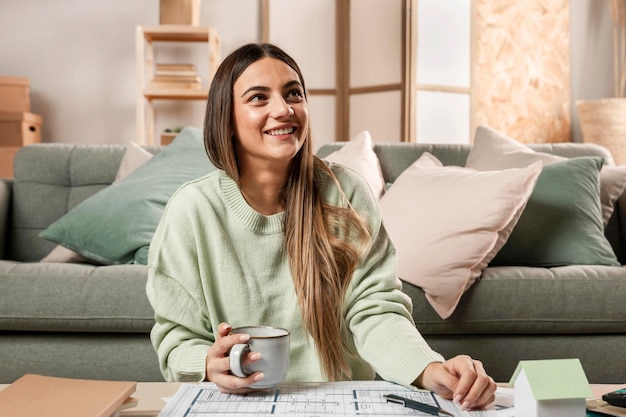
x,y
14,94
179,12
7,153
19,129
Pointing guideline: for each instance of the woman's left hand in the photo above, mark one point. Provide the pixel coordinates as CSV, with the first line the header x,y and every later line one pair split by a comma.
x,y
461,379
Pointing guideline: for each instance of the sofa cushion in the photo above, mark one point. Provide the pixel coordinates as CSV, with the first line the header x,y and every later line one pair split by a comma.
x,y
115,226
359,155
562,222
495,150
448,222
577,299
74,298
62,176
134,157
395,157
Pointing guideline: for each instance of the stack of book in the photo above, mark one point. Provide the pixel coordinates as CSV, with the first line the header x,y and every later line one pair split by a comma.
x,y
39,395
176,76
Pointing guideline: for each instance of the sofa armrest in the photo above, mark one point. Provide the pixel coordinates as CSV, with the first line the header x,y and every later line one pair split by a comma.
x,y
6,191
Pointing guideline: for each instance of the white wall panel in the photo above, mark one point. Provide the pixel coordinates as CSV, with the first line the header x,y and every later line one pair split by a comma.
x,y
443,117
443,38
375,42
380,113
322,116
306,30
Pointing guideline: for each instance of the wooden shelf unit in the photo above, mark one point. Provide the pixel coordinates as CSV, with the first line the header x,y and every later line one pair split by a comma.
x,y
144,48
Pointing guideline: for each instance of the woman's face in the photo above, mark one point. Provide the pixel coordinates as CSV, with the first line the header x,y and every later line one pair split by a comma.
x,y
271,115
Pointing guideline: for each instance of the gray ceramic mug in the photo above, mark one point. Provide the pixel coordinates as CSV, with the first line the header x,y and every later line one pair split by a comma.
x,y
273,345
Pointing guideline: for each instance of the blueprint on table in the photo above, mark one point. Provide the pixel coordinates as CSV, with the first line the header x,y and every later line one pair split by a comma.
x,y
341,399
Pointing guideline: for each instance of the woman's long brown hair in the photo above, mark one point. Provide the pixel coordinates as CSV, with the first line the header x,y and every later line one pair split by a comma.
x,y
323,241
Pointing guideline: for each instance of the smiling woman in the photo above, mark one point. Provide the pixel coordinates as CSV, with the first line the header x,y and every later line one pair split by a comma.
x,y
271,124
277,237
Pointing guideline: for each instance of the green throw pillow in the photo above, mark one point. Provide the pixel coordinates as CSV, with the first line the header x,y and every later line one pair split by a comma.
x,y
562,222
115,226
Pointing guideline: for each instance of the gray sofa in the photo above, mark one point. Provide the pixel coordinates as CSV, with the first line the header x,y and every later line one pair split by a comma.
x,y
87,321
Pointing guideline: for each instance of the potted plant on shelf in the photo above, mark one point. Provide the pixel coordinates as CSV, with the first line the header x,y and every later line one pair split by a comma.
x,y
169,134
603,121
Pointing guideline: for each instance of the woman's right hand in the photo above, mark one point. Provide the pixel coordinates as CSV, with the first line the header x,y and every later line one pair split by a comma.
x,y
218,363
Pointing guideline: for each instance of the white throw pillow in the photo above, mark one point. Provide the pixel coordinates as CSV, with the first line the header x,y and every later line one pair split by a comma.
x,y
134,157
61,254
358,154
448,223
494,150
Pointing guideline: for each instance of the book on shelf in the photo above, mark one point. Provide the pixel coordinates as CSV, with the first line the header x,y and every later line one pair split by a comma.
x,y
161,78
175,74
175,70
38,395
175,67
193,83
157,85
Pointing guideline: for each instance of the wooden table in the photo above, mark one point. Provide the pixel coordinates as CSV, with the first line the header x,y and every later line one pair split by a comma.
x,y
150,396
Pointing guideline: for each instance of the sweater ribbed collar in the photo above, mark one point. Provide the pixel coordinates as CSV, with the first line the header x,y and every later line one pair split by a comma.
x,y
251,218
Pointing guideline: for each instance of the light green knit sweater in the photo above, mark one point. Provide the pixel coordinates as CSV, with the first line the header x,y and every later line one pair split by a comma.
x,y
214,259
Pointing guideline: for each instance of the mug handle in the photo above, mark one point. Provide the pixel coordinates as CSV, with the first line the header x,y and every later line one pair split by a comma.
x,y
236,353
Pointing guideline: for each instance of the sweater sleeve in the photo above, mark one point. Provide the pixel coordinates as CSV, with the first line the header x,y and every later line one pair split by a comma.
x,y
181,351
378,313
182,333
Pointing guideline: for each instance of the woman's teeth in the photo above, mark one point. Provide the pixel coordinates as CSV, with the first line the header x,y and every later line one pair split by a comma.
x,y
284,131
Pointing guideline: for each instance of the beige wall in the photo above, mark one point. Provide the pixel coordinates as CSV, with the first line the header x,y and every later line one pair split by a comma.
x,y
80,58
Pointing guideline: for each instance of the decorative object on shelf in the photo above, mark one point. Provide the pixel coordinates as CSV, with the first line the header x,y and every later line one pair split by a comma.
x,y
179,12
170,134
603,121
